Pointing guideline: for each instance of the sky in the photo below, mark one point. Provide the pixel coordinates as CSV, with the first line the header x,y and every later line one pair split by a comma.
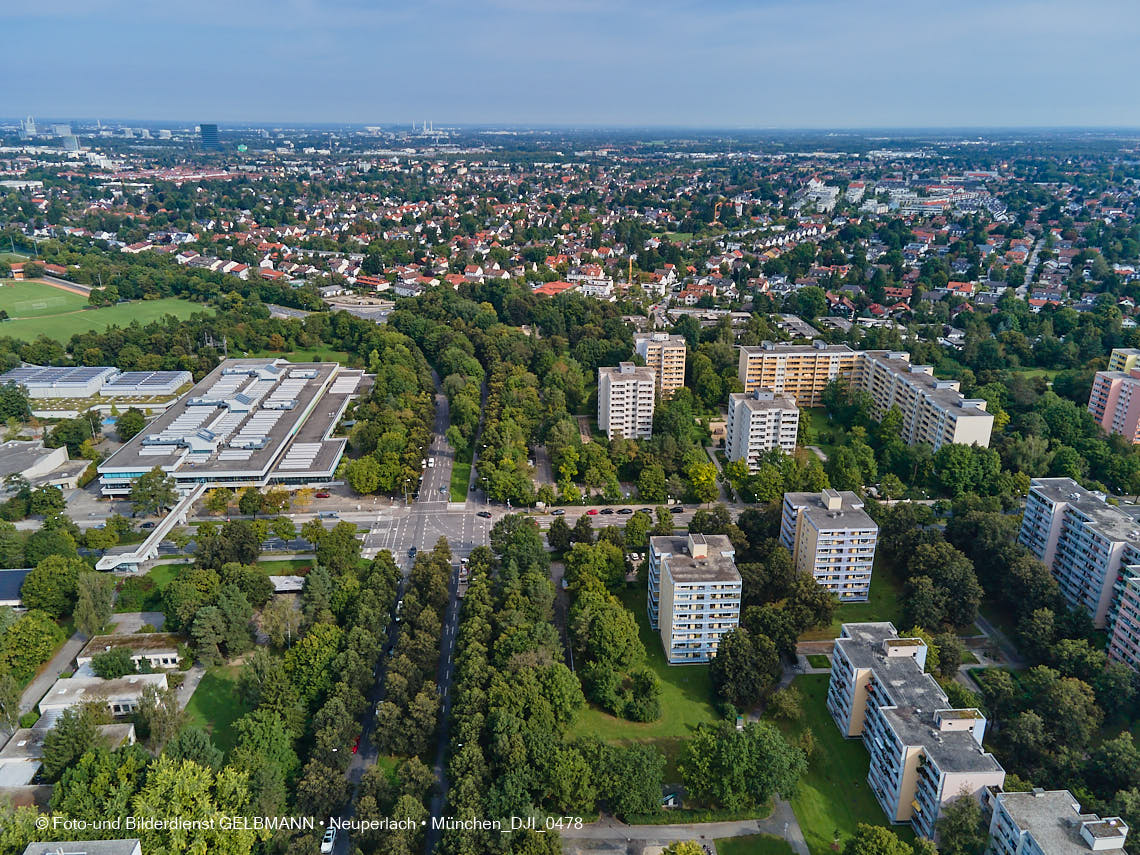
x,y
726,64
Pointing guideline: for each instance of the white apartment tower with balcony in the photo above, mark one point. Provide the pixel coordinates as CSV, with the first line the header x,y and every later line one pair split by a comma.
x,y
694,594
833,539
923,752
758,423
1050,822
625,401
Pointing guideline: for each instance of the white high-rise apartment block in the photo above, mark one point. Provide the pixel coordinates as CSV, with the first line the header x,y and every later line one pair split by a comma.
x,y
665,354
1050,822
625,401
758,423
831,537
694,594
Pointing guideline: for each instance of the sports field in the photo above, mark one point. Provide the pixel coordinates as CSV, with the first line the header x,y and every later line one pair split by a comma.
x,y
36,308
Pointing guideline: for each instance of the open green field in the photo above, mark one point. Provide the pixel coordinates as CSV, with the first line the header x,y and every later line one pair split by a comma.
x,y
753,844
686,699
885,604
144,593
287,567
12,256
834,795
818,660
215,705
39,309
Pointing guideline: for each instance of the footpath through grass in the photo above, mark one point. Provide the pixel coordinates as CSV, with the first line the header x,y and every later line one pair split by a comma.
x,y
834,794
215,705
753,844
686,699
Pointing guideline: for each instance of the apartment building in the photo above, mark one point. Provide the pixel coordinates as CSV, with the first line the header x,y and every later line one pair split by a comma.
x,y
1050,822
1124,359
665,354
759,422
934,411
799,371
625,401
1086,542
1115,402
831,537
694,594
923,752
1123,620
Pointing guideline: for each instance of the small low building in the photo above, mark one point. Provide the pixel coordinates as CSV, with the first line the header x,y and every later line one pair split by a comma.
x,y
158,649
22,756
131,846
121,695
10,583
38,465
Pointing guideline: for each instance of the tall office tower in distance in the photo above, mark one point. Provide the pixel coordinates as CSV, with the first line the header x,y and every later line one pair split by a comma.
x,y
209,136
625,401
665,354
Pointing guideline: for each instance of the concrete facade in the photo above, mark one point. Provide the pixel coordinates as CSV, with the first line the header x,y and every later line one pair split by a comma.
x,y
758,423
832,538
625,401
665,354
801,372
1050,823
1115,402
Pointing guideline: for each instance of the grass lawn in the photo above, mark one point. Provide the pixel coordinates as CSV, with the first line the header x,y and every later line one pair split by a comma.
x,y
834,794
144,593
285,567
753,844
885,604
215,705
818,425
686,699
312,354
12,256
1047,373
39,309
460,476
968,658
818,660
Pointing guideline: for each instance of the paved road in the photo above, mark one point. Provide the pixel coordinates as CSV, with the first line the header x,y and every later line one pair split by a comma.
x,y
444,674
781,823
62,661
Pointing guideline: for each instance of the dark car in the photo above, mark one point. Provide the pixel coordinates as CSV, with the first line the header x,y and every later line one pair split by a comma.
x,y
558,512
645,511
411,552
147,525
677,509
607,511
625,510
443,490
484,514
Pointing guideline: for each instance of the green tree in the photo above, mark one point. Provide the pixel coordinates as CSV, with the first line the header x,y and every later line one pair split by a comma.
x,y
702,481
72,736
52,585
731,769
28,643
153,491
116,662
744,667
251,502
876,840
130,424
95,602
363,474
960,827
651,484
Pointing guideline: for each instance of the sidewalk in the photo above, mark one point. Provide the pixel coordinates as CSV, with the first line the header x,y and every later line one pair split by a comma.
x,y
62,661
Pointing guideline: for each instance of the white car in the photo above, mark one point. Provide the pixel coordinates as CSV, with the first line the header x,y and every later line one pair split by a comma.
x,y
328,840
431,463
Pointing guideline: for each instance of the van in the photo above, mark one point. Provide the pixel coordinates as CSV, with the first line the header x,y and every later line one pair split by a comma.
x,y
328,840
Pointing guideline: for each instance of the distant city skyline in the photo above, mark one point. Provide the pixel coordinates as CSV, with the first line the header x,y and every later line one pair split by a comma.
x,y
724,64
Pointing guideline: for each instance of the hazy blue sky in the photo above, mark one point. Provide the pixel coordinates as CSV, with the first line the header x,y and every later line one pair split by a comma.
x,y
719,63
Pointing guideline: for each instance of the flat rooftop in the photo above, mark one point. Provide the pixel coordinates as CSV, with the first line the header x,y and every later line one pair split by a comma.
x,y
78,690
943,392
718,565
763,399
18,456
130,846
1112,521
847,513
249,420
784,349
139,642
1054,819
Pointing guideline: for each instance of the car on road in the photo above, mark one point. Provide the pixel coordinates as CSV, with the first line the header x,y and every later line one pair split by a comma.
x,y
431,463
558,512
645,511
323,494
593,512
328,515
411,552
443,490
607,511
356,745
625,510
677,509
328,840
484,514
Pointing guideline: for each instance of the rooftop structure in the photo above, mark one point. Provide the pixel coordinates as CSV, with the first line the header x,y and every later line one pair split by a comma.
x,y
1050,823
157,649
923,752
49,382
249,422
86,847
797,370
121,695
